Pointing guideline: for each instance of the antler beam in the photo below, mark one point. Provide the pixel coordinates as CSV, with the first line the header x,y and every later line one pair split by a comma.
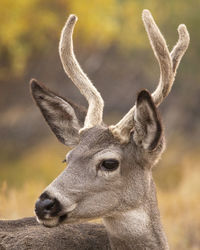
x,y
79,78
168,63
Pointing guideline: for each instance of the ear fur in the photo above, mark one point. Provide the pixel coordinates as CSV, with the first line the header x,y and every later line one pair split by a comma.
x,y
63,116
148,127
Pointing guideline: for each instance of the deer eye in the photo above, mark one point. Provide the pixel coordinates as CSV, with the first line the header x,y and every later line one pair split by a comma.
x,y
109,165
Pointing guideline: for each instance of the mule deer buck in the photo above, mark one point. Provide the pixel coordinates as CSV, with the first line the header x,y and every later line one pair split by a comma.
x,y
109,173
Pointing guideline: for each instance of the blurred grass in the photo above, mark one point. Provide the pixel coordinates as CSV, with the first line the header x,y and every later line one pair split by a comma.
x,y
178,198
180,206
40,163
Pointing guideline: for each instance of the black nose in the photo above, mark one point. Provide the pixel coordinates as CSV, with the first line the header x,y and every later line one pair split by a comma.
x,y
47,206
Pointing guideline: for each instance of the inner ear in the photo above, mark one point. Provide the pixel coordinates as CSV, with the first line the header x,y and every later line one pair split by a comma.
x,y
64,117
148,126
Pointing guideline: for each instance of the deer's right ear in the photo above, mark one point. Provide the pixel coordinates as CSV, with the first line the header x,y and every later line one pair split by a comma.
x,y
64,117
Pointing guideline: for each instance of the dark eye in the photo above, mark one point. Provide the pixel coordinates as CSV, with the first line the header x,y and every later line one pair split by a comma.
x,y
109,165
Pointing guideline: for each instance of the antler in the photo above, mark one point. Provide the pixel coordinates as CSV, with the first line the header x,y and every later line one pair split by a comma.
x,y
168,63
79,78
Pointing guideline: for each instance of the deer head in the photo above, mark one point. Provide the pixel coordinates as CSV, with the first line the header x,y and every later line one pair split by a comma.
x,y
109,168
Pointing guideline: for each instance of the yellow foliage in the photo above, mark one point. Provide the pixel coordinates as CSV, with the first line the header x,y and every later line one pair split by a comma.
x,y
33,26
25,29
97,20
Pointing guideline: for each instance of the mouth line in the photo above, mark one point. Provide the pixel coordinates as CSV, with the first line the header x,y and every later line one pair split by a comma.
x,y
62,218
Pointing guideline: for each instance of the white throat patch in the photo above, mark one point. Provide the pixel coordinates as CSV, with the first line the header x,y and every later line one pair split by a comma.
x,y
134,222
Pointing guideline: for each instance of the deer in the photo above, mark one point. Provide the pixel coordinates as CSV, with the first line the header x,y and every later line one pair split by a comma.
x,y
109,168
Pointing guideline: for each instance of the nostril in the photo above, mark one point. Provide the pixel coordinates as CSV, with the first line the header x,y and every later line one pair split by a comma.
x,y
44,196
48,204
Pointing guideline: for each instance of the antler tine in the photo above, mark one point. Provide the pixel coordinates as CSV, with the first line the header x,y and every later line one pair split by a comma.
x,y
168,63
79,78
122,129
181,46
162,54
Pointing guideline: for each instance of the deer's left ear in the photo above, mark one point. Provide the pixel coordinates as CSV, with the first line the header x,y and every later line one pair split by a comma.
x,y
148,127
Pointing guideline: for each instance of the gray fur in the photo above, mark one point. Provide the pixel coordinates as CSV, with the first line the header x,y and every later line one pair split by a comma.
x,y
118,200
124,198
27,234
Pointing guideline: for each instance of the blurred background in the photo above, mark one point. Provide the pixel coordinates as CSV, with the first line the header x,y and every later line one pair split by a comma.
x,y
112,47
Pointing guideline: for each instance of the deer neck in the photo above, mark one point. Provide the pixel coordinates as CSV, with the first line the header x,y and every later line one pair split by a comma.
x,y
139,228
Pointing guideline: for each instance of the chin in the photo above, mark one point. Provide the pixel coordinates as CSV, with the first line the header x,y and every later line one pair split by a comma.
x,y
53,221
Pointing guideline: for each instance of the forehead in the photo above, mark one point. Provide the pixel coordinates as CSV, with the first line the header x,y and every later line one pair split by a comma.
x,y
94,140
97,135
